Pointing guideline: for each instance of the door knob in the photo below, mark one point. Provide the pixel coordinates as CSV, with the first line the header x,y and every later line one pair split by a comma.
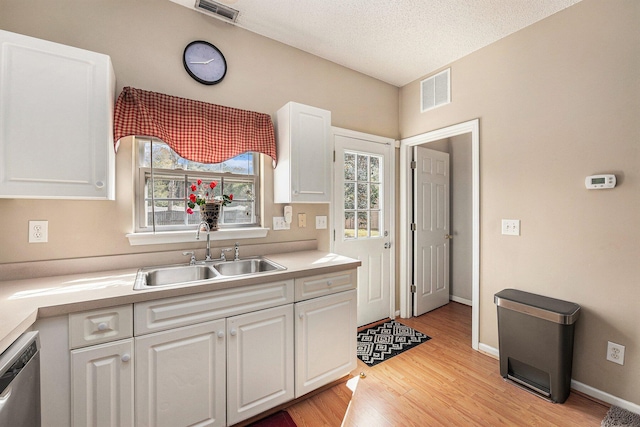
x,y
387,245
448,236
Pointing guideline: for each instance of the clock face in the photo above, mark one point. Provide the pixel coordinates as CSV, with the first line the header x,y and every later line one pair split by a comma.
x,y
204,62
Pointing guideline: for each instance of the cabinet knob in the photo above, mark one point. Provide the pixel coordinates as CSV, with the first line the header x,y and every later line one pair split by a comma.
x,y
220,334
99,184
295,192
102,326
125,357
233,332
301,315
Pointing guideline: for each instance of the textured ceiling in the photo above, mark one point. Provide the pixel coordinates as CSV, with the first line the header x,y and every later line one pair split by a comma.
x,y
396,41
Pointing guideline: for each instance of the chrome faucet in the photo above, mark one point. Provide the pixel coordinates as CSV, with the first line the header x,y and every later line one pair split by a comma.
x,y
236,256
223,257
208,252
192,261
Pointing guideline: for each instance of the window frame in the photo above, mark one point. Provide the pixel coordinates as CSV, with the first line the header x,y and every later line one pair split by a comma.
x,y
140,198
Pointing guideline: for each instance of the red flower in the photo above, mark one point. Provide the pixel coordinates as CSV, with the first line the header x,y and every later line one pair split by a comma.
x,y
213,184
230,196
199,181
192,197
189,211
193,187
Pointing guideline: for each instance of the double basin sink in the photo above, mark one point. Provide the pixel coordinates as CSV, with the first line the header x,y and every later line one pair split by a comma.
x,y
193,274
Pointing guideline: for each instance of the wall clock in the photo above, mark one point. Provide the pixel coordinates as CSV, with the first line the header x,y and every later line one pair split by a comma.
x,y
204,62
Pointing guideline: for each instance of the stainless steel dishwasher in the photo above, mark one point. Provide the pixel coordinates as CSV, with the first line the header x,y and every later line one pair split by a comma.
x,y
20,382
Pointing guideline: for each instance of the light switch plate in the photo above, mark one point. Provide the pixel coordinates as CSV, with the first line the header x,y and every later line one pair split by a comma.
x,y
321,222
280,224
511,227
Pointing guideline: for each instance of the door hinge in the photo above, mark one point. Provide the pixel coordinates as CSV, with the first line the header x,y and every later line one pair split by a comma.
x,y
414,289
414,164
413,226
334,156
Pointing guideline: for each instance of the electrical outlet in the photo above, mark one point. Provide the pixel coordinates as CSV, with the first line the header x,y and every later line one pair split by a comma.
x,y
302,220
321,222
511,227
280,224
38,231
615,353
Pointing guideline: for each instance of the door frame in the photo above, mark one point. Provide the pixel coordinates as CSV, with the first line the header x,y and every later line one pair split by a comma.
x,y
405,240
391,209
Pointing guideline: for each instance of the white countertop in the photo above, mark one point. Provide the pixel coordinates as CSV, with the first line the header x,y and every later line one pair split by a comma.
x,y
24,301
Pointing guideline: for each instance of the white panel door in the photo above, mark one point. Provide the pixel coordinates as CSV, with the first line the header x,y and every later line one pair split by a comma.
x,y
431,237
259,362
102,385
326,340
180,376
362,218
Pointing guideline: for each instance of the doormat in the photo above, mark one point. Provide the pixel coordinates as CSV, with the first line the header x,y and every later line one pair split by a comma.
x,y
279,419
618,417
381,342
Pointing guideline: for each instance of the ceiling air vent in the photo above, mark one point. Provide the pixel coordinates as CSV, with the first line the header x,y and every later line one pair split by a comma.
x,y
217,10
435,91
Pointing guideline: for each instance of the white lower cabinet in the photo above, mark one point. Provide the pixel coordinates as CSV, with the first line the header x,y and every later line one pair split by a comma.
x,y
102,385
326,340
210,359
259,362
180,376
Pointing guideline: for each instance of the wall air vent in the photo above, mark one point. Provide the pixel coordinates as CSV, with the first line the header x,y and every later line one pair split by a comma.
x,y
435,90
217,10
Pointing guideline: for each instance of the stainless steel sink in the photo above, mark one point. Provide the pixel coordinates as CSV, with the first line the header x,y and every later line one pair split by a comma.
x,y
174,275
177,275
246,266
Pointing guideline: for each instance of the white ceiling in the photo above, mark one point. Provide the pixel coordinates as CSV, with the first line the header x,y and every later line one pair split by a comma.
x,y
396,41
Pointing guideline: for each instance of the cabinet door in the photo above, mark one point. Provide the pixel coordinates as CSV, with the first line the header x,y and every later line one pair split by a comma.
x,y
102,385
180,376
56,114
303,173
259,362
326,337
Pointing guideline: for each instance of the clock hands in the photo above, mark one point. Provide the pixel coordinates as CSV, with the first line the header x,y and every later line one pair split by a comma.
x,y
201,62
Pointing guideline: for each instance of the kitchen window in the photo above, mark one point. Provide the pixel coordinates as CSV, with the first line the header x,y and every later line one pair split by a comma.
x,y
164,178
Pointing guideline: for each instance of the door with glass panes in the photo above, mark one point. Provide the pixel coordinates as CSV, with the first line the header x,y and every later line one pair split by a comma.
x,y
362,218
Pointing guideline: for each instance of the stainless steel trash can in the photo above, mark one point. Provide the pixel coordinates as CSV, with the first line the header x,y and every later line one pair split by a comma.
x,y
535,336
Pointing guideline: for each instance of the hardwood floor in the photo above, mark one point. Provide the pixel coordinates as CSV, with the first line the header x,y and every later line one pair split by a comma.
x,y
441,382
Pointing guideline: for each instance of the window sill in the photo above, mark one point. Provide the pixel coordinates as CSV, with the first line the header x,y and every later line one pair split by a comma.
x,y
183,236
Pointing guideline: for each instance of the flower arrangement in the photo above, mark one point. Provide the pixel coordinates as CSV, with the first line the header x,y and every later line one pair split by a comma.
x,y
203,193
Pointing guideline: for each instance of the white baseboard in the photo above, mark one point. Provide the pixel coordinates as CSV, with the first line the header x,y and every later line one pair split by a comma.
x,y
578,386
491,351
604,396
460,300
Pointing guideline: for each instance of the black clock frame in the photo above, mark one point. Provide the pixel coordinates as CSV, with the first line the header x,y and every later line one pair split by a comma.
x,y
194,76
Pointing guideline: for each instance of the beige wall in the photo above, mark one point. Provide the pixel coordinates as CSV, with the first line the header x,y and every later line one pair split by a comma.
x,y
559,101
145,39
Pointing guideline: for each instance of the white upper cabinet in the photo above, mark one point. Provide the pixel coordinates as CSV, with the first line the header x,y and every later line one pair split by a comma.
x,y
303,173
56,121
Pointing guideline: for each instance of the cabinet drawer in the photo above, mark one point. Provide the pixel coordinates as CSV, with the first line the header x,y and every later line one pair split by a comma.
x,y
325,284
159,315
100,326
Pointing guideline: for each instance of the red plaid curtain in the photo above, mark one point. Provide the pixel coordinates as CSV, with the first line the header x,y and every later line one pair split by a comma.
x,y
197,131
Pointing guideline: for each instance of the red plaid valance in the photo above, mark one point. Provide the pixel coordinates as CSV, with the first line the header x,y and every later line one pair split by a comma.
x,y
197,131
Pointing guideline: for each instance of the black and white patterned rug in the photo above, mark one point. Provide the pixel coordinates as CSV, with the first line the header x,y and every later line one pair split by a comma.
x,y
381,342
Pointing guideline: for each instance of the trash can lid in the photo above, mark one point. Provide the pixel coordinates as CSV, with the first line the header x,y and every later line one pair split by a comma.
x,y
546,308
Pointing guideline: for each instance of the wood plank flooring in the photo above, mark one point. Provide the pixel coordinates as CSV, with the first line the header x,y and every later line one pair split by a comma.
x,y
442,382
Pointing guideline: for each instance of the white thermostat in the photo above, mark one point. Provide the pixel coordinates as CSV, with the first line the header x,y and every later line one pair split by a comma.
x,y
599,182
